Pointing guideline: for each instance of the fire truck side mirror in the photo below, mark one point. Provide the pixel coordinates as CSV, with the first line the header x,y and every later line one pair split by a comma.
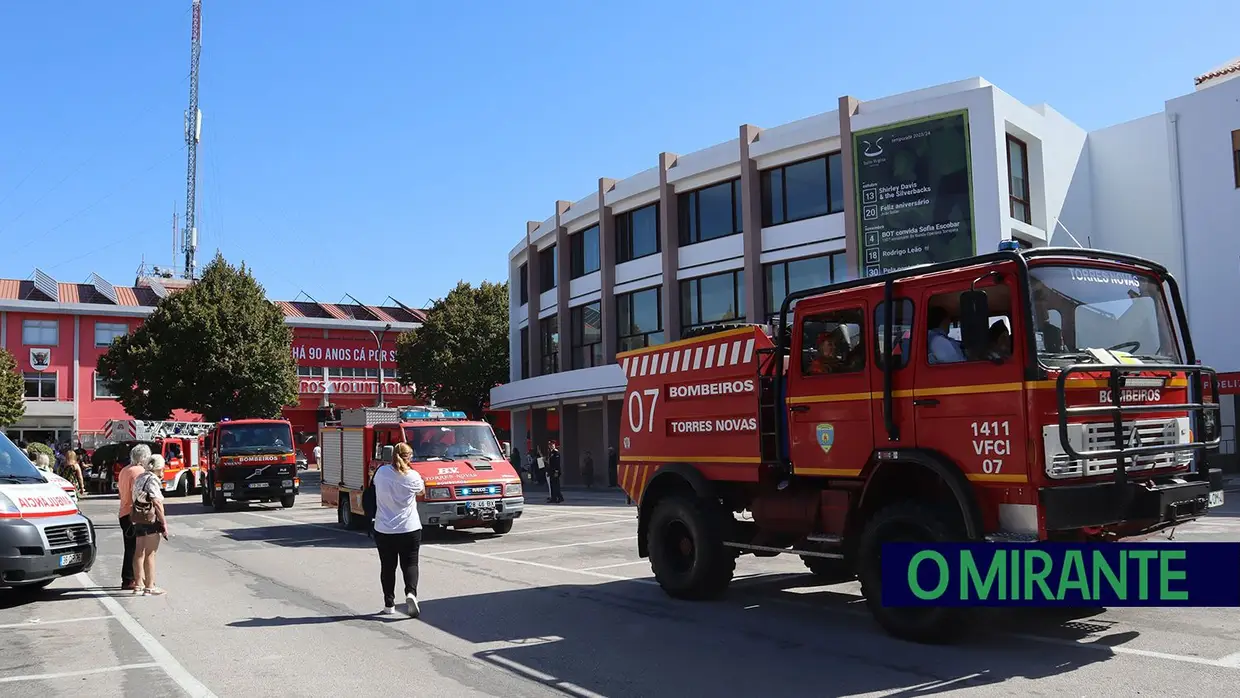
x,y
387,453
975,323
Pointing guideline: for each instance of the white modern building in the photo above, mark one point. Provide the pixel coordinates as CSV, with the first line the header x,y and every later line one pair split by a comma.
x,y
723,234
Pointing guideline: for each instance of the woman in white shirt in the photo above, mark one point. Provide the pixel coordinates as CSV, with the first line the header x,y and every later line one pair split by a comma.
x,y
398,528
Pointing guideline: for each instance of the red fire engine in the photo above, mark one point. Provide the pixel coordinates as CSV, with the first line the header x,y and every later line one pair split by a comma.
x,y
469,481
180,443
250,460
986,399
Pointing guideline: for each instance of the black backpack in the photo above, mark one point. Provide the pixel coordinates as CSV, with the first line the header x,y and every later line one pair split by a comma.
x,y
370,503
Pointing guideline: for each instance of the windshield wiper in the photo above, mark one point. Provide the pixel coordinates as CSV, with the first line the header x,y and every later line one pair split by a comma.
x,y
22,478
432,458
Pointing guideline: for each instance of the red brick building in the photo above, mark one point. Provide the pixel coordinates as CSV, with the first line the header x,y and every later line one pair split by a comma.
x,y
57,331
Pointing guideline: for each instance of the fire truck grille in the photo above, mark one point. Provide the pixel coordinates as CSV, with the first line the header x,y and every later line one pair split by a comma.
x,y
69,536
479,490
1101,437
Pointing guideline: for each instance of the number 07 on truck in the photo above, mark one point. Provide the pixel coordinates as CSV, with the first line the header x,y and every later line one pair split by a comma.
x,y
1025,395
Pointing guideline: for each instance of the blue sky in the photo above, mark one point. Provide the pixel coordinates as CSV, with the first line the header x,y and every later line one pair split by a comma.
x,y
384,147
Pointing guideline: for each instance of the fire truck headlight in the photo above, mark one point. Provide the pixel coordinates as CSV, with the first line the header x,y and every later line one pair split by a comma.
x,y
512,489
286,483
433,493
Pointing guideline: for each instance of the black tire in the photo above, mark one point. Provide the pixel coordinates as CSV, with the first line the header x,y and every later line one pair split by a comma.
x,y
685,539
182,489
908,521
345,515
829,570
288,501
502,527
219,501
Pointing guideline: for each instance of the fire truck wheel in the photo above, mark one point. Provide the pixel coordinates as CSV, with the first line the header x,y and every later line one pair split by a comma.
x,y
344,515
182,487
502,527
828,569
205,493
287,502
908,522
687,555
218,501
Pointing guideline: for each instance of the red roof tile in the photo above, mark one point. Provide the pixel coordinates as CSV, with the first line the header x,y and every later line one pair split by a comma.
x,y
69,293
288,309
335,312
1225,69
10,289
379,313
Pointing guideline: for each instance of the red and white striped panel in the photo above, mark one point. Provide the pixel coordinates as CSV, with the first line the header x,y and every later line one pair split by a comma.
x,y
729,351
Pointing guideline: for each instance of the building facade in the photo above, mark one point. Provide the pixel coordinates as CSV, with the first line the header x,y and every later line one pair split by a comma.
x,y
57,331
724,234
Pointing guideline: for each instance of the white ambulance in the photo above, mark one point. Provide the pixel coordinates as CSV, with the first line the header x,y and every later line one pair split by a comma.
x,y
43,535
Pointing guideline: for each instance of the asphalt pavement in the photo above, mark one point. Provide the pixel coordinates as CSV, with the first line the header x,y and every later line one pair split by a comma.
x,y
271,601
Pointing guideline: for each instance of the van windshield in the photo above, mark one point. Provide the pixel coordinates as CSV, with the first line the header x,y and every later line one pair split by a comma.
x,y
1078,308
256,439
444,442
15,465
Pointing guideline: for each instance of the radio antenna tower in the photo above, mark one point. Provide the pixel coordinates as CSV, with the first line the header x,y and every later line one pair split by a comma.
x,y
193,131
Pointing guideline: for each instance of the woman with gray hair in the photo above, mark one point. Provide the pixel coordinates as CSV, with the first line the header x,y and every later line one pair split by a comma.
x,y
149,525
138,457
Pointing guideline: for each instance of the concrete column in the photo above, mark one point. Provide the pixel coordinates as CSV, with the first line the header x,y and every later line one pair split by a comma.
x,y
538,429
570,445
751,214
563,283
534,350
607,270
848,107
669,238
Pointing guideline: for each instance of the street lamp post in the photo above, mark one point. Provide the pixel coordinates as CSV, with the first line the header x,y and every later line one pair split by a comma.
x,y
379,356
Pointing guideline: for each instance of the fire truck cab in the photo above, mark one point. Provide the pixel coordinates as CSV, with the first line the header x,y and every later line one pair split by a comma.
x,y
180,443
985,399
469,481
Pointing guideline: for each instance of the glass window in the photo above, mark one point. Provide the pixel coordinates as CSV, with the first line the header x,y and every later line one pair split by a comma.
x,y
901,332
454,442
524,274
711,212
639,319
833,343
40,386
309,371
522,350
102,391
548,269
1018,179
41,333
584,247
1235,155
105,332
802,190
712,299
549,333
587,335
943,341
637,233
795,275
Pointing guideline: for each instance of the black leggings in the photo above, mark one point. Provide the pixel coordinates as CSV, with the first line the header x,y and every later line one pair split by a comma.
x,y
399,548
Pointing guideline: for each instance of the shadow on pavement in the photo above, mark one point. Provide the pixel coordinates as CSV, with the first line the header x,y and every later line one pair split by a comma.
x,y
297,536
20,596
284,621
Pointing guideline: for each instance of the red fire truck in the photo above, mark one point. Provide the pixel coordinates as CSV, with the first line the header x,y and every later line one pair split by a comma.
x,y
180,443
986,399
250,460
469,482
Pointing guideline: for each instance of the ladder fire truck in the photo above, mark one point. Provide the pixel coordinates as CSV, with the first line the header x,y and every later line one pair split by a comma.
x,y
469,481
1023,396
180,443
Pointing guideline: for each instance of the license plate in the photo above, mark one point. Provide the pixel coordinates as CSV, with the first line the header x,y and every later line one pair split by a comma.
x,y
483,504
1216,498
258,484
70,559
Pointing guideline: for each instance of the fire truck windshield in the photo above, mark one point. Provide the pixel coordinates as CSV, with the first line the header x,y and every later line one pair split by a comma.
x,y
1077,308
453,442
15,465
251,439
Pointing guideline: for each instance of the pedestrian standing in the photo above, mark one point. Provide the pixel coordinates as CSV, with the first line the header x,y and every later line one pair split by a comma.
x,y
138,457
587,470
398,528
149,525
318,454
540,468
553,474
73,472
613,466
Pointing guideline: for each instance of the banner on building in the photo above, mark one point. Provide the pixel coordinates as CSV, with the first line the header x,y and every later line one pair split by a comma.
x,y
343,353
345,386
914,193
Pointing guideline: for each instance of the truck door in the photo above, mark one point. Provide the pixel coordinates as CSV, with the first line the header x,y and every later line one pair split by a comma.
x,y
901,418
829,414
971,408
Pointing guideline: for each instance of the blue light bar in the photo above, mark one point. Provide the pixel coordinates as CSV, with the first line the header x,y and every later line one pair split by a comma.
x,y
1005,245
428,414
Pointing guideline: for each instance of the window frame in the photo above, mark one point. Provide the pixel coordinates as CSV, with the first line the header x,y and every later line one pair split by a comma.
x,y
771,308
576,321
1235,155
815,316
524,283
933,293
548,271
549,361
101,396
41,378
1013,199
523,340
621,335
45,324
689,213
576,252
624,253
738,299
114,335
880,328
764,188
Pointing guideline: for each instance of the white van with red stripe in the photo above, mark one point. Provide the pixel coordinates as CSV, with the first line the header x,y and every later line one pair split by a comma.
x,y
43,535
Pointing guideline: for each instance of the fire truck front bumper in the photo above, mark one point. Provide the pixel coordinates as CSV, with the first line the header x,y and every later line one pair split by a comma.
x,y
471,512
1166,502
261,490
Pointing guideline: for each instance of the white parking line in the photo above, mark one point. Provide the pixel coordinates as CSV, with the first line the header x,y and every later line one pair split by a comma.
x,y
569,528
1231,660
36,623
618,564
570,688
158,652
540,565
565,545
81,672
1119,649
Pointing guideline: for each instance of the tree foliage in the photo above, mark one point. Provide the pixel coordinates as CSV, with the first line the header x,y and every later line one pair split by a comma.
x,y
218,348
461,351
12,391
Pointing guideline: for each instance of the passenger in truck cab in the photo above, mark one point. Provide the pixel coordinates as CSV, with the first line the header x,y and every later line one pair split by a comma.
x,y
1000,340
942,348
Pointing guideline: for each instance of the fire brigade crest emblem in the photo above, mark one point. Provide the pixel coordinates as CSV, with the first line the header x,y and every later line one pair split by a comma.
x,y
826,437
40,359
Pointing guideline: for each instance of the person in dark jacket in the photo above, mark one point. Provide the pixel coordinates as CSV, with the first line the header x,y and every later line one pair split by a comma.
x,y
553,474
587,470
613,467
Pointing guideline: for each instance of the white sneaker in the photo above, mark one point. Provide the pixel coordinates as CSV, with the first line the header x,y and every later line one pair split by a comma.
x,y
411,606
388,611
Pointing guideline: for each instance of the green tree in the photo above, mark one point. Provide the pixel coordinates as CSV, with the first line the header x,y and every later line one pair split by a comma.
x,y
218,348
12,391
461,351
